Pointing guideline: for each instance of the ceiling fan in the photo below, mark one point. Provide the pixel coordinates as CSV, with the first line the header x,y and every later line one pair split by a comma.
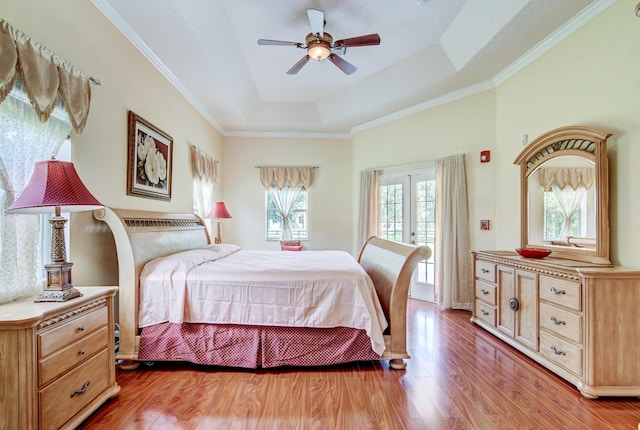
x,y
319,44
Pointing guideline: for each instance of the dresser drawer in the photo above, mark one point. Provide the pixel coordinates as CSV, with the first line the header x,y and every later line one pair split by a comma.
x,y
63,399
561,292
485,312
486,271
486,292
51,340
561,352
69,357
561,322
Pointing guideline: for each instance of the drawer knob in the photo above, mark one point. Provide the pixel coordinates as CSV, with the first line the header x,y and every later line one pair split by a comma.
x,y
484,270
81,328
485,313
485,292
557,292
81,391
81,352
514,305
557,321
556,351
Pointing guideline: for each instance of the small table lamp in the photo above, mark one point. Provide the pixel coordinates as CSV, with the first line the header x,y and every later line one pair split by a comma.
x,y
218,211
55,187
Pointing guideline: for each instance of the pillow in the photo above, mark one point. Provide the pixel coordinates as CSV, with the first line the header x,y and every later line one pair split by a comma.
x,y
290,248
290,242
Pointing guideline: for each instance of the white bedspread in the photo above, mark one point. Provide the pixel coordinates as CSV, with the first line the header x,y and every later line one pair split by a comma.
x,y
224,284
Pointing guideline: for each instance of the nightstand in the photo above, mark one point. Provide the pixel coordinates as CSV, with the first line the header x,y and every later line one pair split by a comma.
x,y
57,360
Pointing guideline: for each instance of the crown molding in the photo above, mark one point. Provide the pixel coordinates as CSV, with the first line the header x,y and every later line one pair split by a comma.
x,y
289,134
560,34
116,19
429,104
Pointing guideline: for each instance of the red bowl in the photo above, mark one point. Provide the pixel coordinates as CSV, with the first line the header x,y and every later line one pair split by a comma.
x,y
533,252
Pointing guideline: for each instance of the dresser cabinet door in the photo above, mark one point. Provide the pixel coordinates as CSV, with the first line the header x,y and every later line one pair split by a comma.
x,y
506,291
527,313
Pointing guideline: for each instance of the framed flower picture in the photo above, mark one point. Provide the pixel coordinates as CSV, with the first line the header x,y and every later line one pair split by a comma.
x,y
149,161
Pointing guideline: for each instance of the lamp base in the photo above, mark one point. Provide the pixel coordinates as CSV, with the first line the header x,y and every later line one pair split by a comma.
x,y
59,287
58,295
217,240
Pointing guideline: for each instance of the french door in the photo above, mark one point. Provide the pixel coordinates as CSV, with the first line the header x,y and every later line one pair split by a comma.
x,y
407,214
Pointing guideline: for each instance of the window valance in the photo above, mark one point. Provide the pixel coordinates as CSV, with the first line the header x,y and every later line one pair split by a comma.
x,y
45,76
282,176
203,166
563,176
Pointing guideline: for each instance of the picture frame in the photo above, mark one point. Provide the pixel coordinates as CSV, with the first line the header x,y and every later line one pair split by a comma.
x,y
149,161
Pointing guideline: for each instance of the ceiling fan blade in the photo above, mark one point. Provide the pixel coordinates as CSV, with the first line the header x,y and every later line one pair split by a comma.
x,y
299,65
342,64
316,19
278,43
368,40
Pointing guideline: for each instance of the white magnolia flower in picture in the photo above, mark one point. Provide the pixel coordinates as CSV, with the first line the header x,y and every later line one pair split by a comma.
x,y
152,166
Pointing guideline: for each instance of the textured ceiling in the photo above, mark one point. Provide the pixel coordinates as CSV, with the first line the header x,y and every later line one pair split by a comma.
x,y
430,50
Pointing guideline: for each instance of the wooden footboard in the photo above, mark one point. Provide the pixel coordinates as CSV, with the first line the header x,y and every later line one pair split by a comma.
x,y
390,266
141,236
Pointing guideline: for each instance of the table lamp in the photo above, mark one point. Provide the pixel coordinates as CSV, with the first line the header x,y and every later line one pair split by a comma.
x,y
55,187
218,211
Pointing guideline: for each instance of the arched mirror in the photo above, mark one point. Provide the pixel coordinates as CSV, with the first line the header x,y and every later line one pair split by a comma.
x,y
565,194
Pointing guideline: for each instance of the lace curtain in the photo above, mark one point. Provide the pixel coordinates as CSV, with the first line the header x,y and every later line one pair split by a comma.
x,y
24,139
205,177
453,284
284,184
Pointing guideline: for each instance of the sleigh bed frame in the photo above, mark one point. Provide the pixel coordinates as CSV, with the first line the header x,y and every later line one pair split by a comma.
x,y
141,236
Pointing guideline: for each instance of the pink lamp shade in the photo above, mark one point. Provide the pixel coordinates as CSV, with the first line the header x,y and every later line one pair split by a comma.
x,y
54,184
219,210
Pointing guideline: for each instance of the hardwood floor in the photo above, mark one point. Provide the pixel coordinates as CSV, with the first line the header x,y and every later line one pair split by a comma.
x,y
459,377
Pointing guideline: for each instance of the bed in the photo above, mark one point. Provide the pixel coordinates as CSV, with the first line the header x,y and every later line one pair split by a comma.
x,y
255,322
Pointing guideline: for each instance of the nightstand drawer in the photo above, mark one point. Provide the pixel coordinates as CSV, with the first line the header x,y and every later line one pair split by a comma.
x,y
486,292
70,394
561,292
561,322
561,352
486,271
64,334
74,354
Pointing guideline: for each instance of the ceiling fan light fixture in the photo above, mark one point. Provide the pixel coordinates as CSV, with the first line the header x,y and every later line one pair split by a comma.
x,y
319,46
318,52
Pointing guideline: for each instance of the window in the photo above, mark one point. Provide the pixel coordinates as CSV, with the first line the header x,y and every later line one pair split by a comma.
x,y
564,213
294,203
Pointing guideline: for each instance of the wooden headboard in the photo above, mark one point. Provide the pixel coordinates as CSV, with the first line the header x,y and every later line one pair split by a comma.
x,y
141,236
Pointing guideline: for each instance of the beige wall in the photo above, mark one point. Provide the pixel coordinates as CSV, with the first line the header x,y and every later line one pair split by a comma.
x,y
78,32
465,126
592,78
330,197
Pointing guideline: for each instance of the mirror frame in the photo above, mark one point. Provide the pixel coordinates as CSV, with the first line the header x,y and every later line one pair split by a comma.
x,y
579,141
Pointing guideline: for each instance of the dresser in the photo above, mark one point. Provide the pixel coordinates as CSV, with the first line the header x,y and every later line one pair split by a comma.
x,y
57,360
579,320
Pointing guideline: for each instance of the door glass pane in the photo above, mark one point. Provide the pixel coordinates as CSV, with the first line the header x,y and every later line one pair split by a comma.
x,y
426,226
391,212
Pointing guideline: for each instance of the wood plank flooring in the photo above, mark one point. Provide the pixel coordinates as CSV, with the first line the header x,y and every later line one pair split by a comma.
x,y
459,377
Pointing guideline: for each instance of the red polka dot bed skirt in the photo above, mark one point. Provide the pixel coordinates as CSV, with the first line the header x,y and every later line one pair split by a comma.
x,y
254,346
